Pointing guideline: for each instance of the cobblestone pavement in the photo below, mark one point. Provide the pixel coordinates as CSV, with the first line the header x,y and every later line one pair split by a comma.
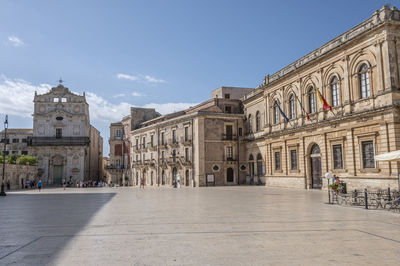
x,y
202,226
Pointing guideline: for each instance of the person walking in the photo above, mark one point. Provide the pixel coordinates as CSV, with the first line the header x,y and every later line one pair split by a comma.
x,y
39,185
141,182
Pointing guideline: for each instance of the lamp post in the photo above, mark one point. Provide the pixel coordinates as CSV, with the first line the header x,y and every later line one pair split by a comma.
x,y
328,176
3,193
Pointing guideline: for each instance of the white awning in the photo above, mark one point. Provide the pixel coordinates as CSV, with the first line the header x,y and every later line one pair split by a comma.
x,y
390,156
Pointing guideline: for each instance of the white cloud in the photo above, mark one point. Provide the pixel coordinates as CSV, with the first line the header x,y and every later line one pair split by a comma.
x,y
15,41
17,96
126,76
140,78
136,94
167,108
153,79
119,95
17,99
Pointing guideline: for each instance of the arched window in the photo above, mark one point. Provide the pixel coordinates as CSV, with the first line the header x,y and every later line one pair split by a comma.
x,y
311,100
276,113
251,158
292,113
259,164
335,91
258,120
363,75
250,124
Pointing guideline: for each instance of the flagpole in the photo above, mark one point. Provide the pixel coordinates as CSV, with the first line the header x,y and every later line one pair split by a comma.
x,y
301,105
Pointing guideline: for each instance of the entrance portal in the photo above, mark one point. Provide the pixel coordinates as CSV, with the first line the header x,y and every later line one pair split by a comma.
x,y
229,175
315,156
57,174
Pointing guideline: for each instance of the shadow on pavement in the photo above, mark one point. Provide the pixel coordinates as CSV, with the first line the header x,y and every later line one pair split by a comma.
x,y
36,227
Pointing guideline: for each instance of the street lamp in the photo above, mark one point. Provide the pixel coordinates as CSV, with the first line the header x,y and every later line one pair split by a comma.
x,y
3,193
328,176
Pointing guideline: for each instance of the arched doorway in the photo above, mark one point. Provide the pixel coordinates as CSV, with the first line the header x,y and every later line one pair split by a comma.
x,y
187,178
316,172
229,175
151,177
259,167
163,177
251,169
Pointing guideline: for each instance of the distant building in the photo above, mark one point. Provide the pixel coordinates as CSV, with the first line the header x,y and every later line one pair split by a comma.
x,y
17,141
118,170
67,146
199,146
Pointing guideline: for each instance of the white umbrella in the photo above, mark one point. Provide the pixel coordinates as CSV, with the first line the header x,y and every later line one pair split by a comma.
x,y
390,156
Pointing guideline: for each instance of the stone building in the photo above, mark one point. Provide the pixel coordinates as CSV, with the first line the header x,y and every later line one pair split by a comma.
x,y
200,146
17,141
66,145
358,74
119,166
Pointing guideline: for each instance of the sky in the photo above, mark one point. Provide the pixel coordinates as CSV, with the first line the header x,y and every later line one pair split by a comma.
x,y
167,54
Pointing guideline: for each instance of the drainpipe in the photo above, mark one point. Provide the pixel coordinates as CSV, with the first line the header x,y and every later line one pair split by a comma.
x,y
192,168
237,144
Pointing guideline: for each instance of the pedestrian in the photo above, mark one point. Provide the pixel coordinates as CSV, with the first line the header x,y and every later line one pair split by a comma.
x,y
8,185
141,182
64,184
39,185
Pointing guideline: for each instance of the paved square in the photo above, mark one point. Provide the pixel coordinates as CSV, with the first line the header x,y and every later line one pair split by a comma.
x,y
202,226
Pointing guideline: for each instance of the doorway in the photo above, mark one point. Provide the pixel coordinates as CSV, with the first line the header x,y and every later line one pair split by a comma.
x,y
229,175
316,173
57,174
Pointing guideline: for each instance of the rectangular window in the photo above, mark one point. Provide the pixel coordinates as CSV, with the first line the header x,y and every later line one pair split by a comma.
x,y
174,136
14,152
144,142
152,140
24,140
277,160
137,158
58,132
229,132
228,109
55,100
368,154
144,157
162,156
227,96
293,159
118,133
186,133
64,100
162,138
337,157
6,152
15,140
240,131
137,144
24,152
118,162
187,154
229,153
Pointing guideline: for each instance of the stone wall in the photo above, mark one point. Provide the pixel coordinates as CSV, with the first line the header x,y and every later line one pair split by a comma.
x,y
17,175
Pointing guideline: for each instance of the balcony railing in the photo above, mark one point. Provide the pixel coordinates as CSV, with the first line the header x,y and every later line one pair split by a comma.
x,y
115,167
186,141
231,158
63,141
229,137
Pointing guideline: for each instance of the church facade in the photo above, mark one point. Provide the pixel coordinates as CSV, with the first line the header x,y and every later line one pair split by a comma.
x,y
67,146
293,137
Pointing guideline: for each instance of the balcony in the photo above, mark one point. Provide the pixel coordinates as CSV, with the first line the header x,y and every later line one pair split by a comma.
x,y
229,137
186,161
54,141
164,146
186,141
172,161
151,146
230,158
173,144
117,167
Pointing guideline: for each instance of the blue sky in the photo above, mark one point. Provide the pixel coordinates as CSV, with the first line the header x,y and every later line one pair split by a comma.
x,y
162,54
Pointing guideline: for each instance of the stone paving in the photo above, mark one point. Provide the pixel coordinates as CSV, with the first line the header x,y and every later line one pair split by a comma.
x,y
192,226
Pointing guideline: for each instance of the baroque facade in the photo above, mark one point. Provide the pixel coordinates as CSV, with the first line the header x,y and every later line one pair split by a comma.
x,y
358,75
199,146
67,146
